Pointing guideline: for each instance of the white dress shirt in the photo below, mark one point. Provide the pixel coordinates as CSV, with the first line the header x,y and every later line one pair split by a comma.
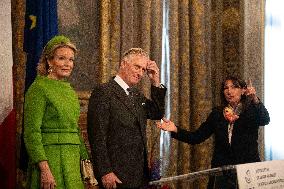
x,y
121,83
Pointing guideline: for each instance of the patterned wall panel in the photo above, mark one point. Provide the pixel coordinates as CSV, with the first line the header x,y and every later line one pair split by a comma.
x,y
79,20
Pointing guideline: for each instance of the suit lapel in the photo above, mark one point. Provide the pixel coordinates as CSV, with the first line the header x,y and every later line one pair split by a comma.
x,y
122,96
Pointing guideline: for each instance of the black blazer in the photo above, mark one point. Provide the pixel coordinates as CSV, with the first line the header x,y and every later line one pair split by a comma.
x,y
117,131
244,144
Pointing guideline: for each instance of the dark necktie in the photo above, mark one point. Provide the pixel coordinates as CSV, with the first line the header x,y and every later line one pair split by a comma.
x,y
130,91
131,96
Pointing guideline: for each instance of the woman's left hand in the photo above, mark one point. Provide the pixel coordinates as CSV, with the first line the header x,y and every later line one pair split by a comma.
x,y
250,91
166,125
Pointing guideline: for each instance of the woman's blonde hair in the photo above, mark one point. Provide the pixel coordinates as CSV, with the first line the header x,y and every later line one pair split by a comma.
x,y
48,52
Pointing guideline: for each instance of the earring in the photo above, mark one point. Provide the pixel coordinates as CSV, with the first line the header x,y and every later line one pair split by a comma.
x,y
49,70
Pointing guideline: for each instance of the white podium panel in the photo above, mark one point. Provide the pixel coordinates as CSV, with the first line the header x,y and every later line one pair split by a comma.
x,y
261,175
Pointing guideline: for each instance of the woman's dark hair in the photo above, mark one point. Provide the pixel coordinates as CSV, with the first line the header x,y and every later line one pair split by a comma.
x,y
237,82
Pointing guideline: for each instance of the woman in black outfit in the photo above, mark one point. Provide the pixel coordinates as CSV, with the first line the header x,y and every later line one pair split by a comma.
x,y
235,127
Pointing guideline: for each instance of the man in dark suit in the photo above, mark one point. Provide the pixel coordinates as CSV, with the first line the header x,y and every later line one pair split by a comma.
x,y
117,118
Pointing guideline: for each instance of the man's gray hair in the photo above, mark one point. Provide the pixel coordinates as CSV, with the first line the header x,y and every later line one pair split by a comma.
x,y
135,51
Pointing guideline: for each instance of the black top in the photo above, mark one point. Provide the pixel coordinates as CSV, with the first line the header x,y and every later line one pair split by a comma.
x,y
244,141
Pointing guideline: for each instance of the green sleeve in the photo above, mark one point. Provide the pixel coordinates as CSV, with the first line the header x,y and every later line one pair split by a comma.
x,y
34,108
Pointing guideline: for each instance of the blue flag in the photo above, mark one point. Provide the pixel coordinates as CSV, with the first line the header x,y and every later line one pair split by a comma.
x,y
40,26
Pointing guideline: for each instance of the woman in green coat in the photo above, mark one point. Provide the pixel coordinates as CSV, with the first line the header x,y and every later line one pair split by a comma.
x,y
51,113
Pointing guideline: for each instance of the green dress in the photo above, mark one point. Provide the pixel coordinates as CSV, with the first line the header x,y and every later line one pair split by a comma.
x,y
51,132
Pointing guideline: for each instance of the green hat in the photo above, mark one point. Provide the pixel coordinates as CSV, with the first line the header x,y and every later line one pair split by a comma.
x,y
55,41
